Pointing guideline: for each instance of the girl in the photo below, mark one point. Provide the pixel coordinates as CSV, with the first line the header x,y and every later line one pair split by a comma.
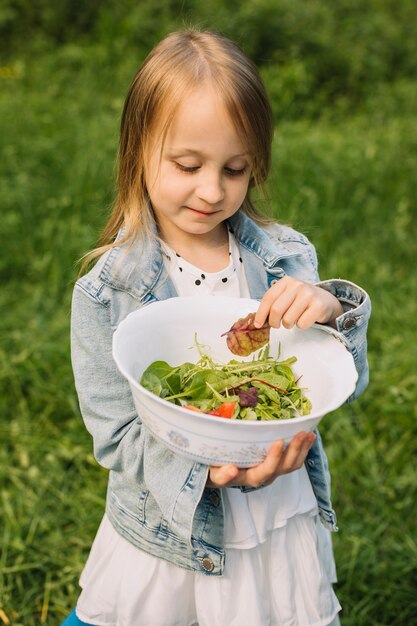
x,y
182,543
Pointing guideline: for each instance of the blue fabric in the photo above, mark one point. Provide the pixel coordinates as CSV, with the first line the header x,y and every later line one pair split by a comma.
x,y
72,620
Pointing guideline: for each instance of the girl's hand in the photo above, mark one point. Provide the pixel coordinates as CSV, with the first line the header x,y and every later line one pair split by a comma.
x,y
279,461
291,302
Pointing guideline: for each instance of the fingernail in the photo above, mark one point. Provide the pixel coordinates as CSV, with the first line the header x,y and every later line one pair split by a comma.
x,y
257,324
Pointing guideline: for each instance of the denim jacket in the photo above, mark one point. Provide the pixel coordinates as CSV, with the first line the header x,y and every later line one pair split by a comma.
x,y
157,499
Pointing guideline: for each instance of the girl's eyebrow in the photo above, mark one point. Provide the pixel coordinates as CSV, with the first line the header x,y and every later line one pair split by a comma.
x,y
189,151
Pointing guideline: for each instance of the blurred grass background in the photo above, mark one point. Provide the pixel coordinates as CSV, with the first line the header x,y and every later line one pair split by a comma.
x,y
342,77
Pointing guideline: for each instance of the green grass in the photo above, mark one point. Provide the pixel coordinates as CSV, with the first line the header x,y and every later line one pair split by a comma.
x,y
347,181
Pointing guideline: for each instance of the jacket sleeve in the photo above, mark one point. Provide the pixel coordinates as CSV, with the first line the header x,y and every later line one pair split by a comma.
x,y
121,442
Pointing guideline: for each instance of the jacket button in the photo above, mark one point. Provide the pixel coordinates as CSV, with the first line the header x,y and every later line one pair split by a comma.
x,y
215,498
207,564
348,323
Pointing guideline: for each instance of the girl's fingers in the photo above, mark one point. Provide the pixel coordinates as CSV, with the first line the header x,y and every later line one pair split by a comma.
x,y
262,314
222,476
292,315
281,308
280,460
308,317
284,303
269,469
297,450
230,475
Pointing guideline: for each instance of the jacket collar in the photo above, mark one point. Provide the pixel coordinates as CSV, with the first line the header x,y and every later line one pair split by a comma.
x,y
259,241
137,267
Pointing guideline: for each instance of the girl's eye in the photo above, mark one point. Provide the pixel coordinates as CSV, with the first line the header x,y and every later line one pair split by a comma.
x,y
233,172
192,169
187,168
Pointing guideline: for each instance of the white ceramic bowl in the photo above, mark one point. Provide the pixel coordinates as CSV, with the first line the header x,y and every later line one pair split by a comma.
x,y
166,331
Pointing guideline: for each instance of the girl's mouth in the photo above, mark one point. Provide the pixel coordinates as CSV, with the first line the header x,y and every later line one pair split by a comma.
x,y
205,214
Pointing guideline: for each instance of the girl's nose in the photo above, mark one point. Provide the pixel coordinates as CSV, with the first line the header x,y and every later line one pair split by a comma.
x,y
210,188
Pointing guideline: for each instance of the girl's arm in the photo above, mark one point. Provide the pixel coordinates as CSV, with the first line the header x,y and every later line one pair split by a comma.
x,y
339,305
292,302
349,323
121,442
344,310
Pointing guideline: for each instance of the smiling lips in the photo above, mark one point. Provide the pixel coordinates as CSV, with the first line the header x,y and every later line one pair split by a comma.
x,y
205,213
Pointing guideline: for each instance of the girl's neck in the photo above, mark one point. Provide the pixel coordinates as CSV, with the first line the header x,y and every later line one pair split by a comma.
x,y
209,252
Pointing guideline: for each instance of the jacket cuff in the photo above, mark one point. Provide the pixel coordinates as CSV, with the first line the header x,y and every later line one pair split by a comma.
x,y
354,300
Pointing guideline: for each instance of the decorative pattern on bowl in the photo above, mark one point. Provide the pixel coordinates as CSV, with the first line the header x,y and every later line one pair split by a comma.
x,y
178,439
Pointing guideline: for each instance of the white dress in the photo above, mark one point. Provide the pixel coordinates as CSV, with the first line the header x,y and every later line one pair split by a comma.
x,y
279,565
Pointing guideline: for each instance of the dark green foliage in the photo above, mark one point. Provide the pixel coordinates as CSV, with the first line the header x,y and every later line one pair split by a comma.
x,y
312,54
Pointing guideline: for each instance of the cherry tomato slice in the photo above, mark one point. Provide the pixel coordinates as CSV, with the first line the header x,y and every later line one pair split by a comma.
x,y
224,410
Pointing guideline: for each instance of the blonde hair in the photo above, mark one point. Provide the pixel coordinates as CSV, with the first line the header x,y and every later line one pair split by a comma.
x,y
176,66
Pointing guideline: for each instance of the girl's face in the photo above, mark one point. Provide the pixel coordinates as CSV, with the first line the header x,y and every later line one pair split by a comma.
x,y
202,176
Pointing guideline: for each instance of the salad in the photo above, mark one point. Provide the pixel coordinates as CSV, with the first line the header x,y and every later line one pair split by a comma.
x,y
261,389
